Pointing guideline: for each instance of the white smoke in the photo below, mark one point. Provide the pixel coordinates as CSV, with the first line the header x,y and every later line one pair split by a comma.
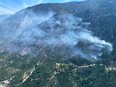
x,y
59,30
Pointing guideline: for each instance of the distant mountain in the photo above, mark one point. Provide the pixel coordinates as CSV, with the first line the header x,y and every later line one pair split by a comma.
x,y
3,17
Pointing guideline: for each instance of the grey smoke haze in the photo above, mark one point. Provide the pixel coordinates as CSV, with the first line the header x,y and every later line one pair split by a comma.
x,y
56,30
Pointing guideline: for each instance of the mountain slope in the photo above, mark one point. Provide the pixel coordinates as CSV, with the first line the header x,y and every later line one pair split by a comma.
x,y
59,45
35,26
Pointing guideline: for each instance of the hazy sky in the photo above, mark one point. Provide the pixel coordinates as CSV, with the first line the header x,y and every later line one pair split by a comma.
x,y
11,6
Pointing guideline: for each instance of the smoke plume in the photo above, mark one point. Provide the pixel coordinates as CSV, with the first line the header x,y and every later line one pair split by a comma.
x,y
53,30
